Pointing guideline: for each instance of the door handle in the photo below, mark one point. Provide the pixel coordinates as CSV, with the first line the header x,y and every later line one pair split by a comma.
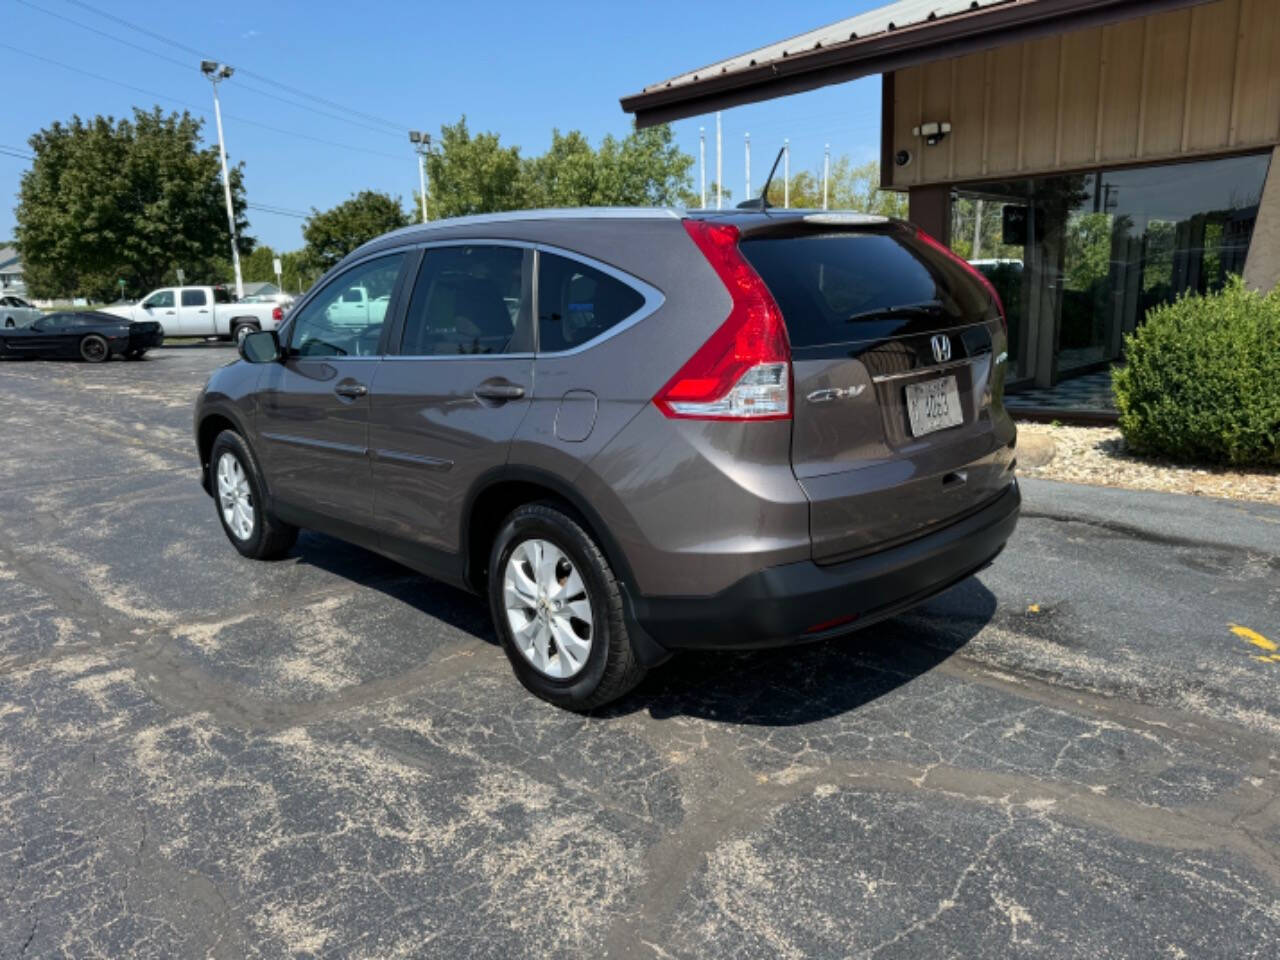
x,y
204,311
501,391
351,391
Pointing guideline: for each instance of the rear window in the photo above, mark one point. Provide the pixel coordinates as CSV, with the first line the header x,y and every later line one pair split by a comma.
x,y
834,287
221,295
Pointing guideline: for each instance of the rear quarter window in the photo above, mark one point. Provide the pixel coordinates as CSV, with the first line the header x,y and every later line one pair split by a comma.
x,y
577,302
830,287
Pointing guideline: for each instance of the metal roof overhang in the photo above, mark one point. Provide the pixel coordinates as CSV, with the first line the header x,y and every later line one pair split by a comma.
x,y
978,29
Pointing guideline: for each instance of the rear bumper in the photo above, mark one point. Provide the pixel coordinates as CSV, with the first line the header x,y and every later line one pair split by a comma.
x,y
783,604
145,340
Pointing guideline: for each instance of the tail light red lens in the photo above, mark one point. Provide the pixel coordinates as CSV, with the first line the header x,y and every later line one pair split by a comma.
x,y
743,372
277,314
973,271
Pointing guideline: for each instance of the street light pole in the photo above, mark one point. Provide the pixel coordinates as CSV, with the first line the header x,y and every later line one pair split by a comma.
x,y
216,74
719,167
421,145
702,167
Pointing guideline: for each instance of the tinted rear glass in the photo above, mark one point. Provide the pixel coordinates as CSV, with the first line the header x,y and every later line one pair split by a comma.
x,y
836,287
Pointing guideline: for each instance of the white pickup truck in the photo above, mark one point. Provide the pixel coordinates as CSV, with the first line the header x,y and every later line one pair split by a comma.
x,y
201,312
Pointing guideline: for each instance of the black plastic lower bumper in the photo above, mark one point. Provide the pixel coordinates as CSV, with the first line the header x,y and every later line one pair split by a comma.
x,y
808,601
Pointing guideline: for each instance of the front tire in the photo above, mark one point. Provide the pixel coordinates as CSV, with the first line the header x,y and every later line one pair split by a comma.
x,y
95,349
237,488
557,608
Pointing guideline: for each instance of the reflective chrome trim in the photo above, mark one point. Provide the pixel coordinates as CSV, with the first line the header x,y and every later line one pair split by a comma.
x,y
1001,357
653,298
550,213
431,463
924,371
868,219
835,393
350,448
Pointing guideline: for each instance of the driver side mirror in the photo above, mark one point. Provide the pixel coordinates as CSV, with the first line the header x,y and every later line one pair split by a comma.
x,y
261,346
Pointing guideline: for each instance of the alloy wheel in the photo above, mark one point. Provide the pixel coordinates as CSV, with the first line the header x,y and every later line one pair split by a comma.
x,y
93,349
235,497
548,608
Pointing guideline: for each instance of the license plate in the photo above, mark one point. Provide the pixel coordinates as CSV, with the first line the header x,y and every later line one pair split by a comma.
x,y
933,405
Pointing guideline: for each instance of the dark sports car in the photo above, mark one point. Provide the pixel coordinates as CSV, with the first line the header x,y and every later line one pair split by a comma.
x,y
91,336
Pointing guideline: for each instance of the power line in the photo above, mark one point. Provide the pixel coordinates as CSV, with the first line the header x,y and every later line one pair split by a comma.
x,y
186,66
397,127
17,153
196,107
278,211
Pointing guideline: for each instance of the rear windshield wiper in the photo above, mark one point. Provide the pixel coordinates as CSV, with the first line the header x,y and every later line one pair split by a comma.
x,y
880,313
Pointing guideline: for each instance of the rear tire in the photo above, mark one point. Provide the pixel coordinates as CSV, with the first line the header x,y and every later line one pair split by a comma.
x,y
236,484
95,349
242,330
568,677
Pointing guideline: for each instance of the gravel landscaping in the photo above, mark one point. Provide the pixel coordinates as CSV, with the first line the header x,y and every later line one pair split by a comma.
x,y
1099,455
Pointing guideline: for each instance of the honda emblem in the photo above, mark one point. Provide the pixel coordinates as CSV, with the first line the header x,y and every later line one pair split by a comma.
x,y
941,344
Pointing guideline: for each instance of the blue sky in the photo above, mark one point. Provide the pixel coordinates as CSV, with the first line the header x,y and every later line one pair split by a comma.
x,y
518,69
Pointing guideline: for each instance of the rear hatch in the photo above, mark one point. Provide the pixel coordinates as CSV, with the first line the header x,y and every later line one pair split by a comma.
x,y
893,345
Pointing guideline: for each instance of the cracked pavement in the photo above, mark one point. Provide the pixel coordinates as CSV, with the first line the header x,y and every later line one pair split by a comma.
x,y
1070,755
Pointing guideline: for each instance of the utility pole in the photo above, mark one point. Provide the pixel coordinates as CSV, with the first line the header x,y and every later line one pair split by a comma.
x,y
421,146
217,72
702,167
747,142
826,175
786,173
719,166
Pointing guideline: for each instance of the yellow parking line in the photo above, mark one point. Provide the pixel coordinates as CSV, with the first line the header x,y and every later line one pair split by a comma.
x,y
1257,639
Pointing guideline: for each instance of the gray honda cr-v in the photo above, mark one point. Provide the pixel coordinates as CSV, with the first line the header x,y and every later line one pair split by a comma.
x,y
634,431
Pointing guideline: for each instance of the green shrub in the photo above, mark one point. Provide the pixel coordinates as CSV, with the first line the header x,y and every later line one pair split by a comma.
x,y
1201,381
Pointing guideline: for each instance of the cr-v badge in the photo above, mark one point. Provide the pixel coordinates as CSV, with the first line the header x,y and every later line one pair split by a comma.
x,y
835,393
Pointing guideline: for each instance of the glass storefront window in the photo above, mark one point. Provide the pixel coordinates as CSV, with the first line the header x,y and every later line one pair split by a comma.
x,y
1080,259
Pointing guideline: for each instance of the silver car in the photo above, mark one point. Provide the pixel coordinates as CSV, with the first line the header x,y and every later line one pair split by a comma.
x,y
16,312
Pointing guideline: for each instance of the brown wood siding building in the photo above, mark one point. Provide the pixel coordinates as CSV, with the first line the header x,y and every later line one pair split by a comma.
x,y
1199,81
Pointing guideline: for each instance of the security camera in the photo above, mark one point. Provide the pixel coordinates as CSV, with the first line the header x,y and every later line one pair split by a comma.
x,y
902,157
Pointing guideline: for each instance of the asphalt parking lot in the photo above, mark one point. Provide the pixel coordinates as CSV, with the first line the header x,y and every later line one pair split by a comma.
x,y
1071,755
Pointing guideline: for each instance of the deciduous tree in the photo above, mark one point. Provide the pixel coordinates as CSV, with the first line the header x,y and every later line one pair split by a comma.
x,y
108,200
332,234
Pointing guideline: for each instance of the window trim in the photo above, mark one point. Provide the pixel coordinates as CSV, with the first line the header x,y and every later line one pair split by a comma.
x,y
422,249
393,331
653,300
395,307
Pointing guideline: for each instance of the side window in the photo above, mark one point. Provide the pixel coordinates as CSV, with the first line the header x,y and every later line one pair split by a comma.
x,y
161,298
221,295
332,325
577,303
468,300
194,298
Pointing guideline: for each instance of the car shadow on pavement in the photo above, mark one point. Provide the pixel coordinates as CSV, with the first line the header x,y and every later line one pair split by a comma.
x,y
804,683
784,686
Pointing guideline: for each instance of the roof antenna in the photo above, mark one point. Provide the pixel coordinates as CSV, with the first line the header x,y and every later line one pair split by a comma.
x,y
760,203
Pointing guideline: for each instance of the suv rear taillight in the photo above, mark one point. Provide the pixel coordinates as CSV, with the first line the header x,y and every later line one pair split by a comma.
x,y
743,372
972,270
277,314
